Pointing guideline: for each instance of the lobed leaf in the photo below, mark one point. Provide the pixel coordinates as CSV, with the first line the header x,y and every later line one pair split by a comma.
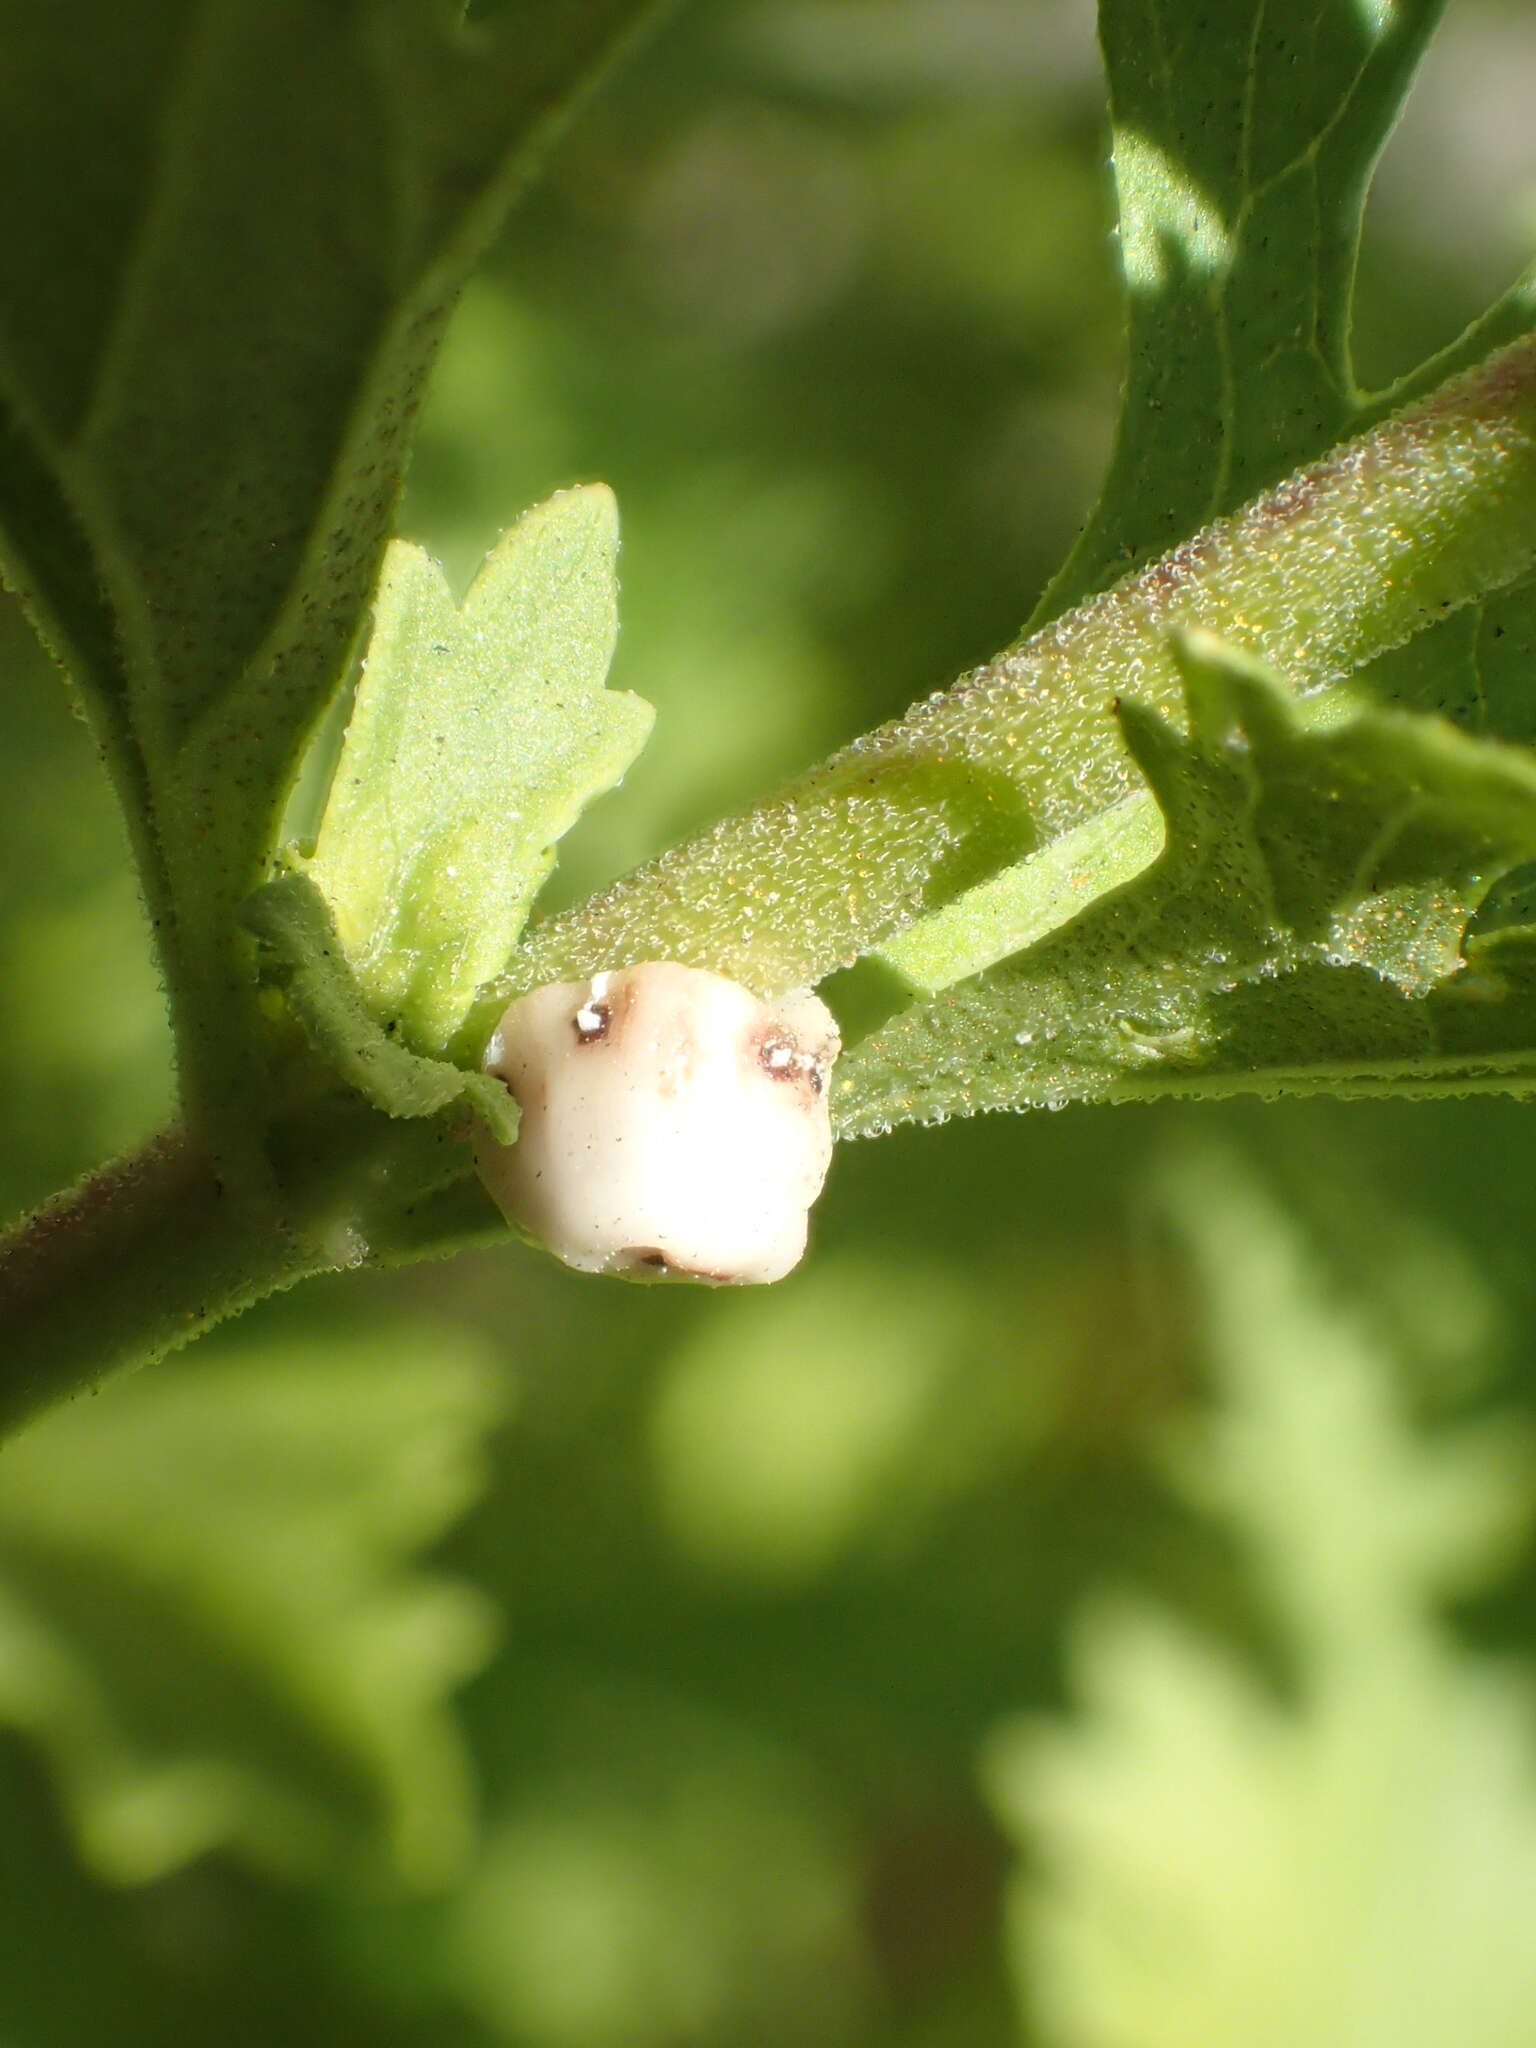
x,y
1303,926
1240,210
478,736
1432,509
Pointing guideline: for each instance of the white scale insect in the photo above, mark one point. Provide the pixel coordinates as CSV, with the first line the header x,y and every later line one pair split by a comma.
x,y
672,1123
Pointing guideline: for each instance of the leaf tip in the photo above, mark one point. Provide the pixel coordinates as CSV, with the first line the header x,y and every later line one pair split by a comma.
x,y
594,505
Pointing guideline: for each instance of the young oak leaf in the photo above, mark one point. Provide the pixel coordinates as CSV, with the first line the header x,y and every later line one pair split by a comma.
x,y
1302,929
478,736
302,955
1239,214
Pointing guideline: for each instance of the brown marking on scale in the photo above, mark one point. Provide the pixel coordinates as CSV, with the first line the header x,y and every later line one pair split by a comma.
x,y
774,1049
591,1022
610,1010
661,1262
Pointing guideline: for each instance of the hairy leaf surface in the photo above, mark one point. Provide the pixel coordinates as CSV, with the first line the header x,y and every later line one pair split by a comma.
x,y
304,958
1244,140
478,735
1302,928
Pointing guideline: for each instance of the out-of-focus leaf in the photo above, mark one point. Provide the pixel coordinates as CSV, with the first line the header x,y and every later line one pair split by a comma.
x,y
692,1888
1302,928
1352,1869
479,734
210,1617
782,1435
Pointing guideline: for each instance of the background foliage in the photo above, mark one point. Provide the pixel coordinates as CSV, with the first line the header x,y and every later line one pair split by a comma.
x,y
1053,1574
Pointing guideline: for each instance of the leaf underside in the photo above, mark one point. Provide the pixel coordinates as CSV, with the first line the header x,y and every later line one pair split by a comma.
x,y
302,956
1240,213
1389,568
1302,931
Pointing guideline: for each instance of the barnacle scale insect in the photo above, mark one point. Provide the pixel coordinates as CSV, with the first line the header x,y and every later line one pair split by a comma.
x,y
673,1124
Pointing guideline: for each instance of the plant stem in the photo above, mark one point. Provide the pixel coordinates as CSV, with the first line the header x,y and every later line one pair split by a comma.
x,y
154,1249
133,1261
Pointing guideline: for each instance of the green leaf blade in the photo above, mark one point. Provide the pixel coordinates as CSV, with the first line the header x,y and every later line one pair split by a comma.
x,y
1240,212
1301,931
1240,209
302,954
1361,551
478,737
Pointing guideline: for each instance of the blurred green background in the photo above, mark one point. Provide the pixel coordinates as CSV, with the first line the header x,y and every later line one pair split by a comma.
x,y
483,1655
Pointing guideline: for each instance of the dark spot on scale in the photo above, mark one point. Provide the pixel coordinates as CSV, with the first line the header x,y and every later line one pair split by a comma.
x,y
658,1262
779,1057
591,1022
